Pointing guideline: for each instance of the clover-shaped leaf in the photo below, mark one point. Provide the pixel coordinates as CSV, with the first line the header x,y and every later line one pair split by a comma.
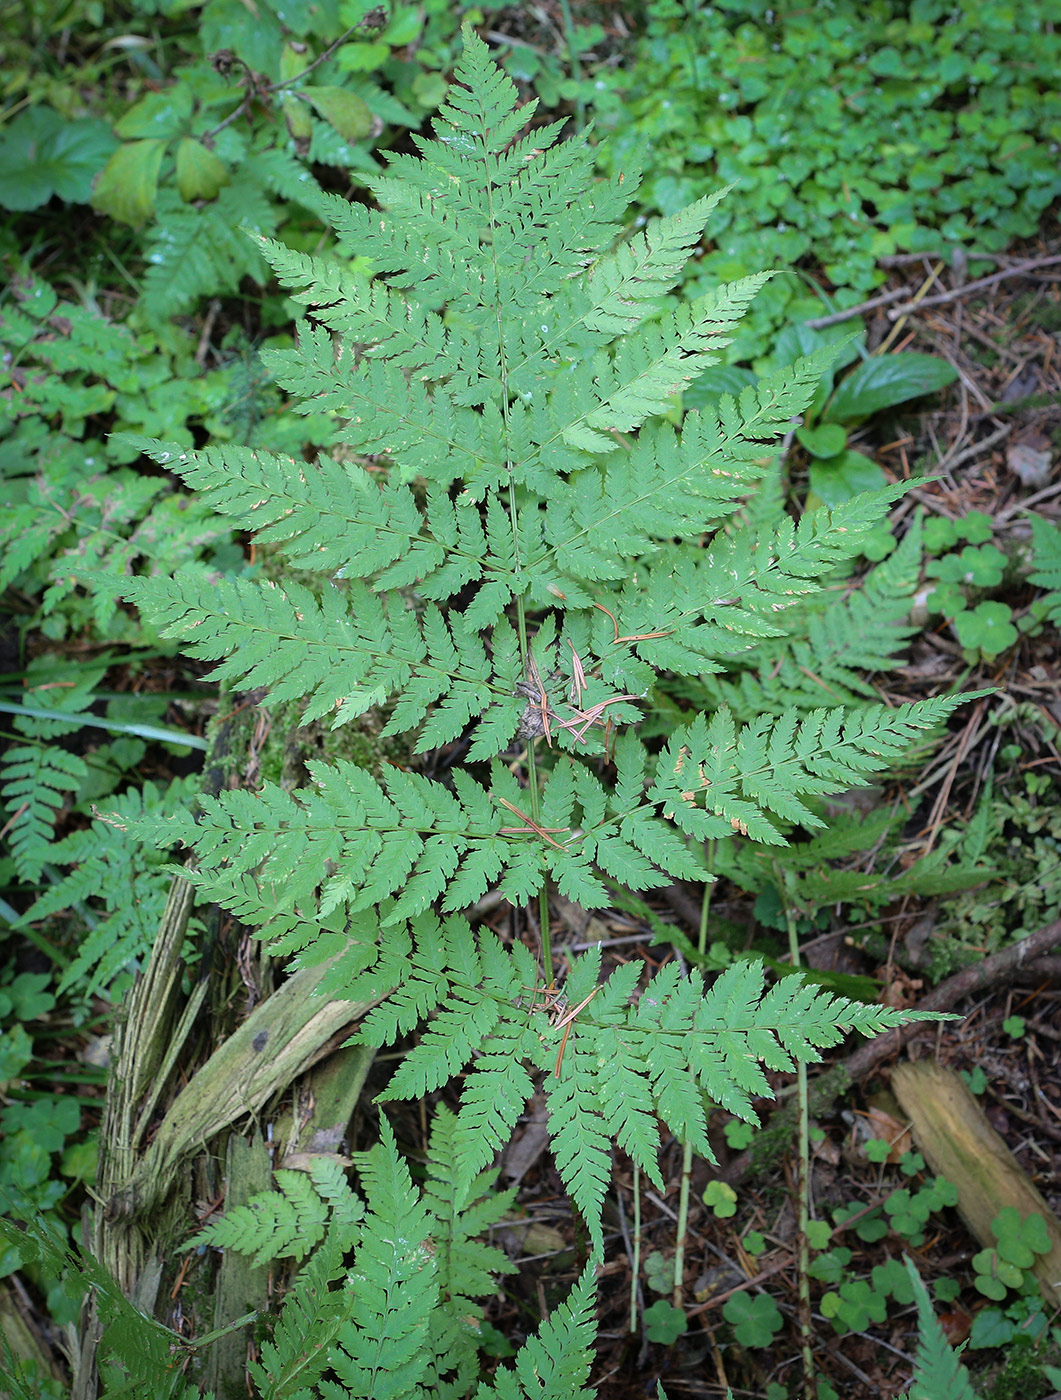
x,y
664,1322
947,599
659,1273
994,1276
988,628
754,1320
1020,1240
722,1199
976,527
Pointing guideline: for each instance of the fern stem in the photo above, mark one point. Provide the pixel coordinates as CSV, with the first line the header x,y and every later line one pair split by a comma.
x,y
687,1150
810,1389
543,893
635,1262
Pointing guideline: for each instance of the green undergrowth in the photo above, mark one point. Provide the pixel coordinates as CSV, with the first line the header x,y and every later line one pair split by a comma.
x,y
851,132
517,556
551,611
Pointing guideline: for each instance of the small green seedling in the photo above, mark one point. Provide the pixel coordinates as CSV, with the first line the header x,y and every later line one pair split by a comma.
x,y
1019,1241
831,1266
738,1135
721,1198
988,630
942,534
819,1233
975,1078
878,1150
1014,1026
754,1242
659,1272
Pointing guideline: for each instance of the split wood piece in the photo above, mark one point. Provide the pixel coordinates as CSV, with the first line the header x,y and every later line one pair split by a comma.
x,y
22,1336
278,1041
324,1103
146,1041
138,1215
958,1142
242,1286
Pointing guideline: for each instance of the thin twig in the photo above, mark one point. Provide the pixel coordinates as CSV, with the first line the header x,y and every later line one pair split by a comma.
x,y
885,299
941,298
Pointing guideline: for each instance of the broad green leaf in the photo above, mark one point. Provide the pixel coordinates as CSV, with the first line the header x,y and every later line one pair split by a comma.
x,y
43,154
840,478
126,189
888,380
200,174
828,440
297,117
254,33
714,382
162,114
344,110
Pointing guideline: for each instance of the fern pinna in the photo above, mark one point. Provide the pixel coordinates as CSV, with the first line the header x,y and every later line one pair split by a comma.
x,y
516,539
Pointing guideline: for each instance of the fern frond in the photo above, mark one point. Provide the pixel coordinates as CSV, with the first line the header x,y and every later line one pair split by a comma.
x,y
119,872
466,1265
299,1351
384,1347
828,652
644,374
195,250
288,1222
36,781
428,432
939,1375
1046,560
555,1364
714,779
347,650
624,287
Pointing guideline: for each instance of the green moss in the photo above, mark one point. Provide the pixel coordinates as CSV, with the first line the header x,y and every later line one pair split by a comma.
x,y
254,742
1021,1376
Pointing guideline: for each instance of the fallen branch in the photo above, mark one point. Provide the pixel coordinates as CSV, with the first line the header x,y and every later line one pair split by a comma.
x,y
992,972
1030,953
955,293
835,317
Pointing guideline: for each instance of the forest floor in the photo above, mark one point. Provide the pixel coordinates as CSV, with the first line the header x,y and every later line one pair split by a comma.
x,y
995,448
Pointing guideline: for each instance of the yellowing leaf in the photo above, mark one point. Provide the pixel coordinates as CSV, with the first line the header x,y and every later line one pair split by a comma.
x,y
126,187
200,173
296,114
344,110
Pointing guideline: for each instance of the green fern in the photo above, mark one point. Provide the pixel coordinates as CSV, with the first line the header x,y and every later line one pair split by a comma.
x,y
38,774
123,877
511,553
939,1375
138,1356
198,249
1046,544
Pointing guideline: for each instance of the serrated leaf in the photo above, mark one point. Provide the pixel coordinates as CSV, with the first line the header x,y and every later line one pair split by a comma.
x,y
200,174
126,189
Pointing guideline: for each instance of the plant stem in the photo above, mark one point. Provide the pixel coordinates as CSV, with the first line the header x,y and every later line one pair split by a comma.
x,y
810,1389
687,1150
572,57
635,1263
